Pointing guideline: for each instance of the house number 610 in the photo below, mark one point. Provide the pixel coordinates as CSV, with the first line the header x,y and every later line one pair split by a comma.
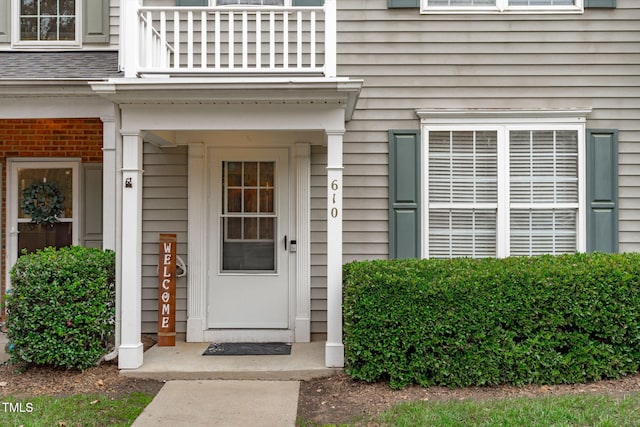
x,y
334,187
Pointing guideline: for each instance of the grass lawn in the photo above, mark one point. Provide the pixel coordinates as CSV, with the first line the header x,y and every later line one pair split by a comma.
x,y
71,411
568,410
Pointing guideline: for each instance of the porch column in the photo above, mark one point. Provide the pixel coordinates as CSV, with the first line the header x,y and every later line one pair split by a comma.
x,y
130,352
334,351
108,182
197,277
330,38
130,37
303,235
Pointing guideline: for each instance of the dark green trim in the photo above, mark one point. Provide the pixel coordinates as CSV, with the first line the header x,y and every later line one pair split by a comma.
x,y
403,4
192,2
604,4
5,21
602,190
404,194
95,27
307,2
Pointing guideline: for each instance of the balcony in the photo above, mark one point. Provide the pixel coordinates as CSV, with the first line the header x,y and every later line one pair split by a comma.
x,y
237,40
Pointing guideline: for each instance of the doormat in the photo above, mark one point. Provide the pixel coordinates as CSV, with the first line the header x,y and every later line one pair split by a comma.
x,y
247,349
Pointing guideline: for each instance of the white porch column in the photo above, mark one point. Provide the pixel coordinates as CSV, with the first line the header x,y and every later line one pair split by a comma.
x,y
130,352
130,36
303,236
330,38
109,172
197,283
334,352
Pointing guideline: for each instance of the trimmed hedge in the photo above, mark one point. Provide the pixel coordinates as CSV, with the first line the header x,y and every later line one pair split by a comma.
x,y
460,322
61,309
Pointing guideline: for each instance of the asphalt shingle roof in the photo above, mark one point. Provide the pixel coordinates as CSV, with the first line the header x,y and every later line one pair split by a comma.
x,y
81,65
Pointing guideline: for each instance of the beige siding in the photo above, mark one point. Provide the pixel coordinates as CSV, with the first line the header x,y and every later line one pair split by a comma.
x,y
164,210
410,61
318,242
114,22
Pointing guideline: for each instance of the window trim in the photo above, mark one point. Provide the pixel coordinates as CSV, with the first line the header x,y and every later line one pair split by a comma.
x,y
503,121
39,44
501,7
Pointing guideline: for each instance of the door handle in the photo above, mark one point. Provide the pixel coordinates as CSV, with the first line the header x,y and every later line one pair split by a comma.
x,y
285,242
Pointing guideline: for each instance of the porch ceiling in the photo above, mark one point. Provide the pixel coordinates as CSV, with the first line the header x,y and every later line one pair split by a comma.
x,y
341,92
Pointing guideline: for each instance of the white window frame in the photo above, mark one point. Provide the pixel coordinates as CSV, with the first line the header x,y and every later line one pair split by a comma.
x,y
503,122
501,6
286,3
39,44
13,198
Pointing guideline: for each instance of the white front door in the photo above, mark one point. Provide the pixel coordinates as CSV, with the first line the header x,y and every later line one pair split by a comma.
x,y
248,239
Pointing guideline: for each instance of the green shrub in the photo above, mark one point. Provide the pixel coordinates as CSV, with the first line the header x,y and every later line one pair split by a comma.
x,y
545,320
61,309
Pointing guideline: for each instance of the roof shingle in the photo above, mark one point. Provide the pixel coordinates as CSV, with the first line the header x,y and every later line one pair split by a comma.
x,y
81,65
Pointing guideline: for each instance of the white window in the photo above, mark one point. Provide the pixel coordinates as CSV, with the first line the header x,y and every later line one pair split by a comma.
x,y
63,176
47,22
502,6
250,2
503,187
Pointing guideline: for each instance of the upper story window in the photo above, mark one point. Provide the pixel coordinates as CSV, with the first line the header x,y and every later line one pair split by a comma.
x,y
250,2
46,22
502,6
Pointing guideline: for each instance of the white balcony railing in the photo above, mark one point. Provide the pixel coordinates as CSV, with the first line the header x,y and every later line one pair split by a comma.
x,y
230,40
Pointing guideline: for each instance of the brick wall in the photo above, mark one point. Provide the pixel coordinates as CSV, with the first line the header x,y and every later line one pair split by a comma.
x,y
78,138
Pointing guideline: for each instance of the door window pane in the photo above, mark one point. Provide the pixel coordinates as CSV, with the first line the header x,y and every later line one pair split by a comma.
x,y
248,216
62,178
32,236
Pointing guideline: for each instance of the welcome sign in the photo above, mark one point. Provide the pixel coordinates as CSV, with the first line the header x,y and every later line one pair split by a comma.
x,y
167,291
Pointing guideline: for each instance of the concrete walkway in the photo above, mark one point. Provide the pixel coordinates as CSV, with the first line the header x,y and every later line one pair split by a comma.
x,y
225,403
260,391
227,391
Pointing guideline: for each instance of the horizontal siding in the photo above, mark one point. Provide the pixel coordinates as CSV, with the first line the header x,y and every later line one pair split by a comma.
x,y
410,61
318,245
164,210
114,22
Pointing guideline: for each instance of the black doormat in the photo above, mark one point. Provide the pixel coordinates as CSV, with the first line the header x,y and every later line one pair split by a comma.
x,y
247,349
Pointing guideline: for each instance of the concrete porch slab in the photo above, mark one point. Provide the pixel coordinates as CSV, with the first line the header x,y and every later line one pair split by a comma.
x,y
186,362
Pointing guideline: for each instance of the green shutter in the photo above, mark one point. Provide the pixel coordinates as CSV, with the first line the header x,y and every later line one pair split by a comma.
x,y
602,190
5,21
92,205
192,2
403,4
95,28
608,4
404,194
308,2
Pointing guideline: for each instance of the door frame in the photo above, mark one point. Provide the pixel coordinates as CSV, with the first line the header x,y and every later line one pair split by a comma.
x,y
299,319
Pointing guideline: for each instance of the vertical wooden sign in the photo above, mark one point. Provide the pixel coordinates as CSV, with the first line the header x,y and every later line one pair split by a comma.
x,y
167,291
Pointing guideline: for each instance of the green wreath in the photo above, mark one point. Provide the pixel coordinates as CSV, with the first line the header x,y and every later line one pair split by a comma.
x,y
43,202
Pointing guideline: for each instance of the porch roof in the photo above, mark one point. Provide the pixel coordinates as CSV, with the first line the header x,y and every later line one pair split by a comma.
x,y
81,65
233,90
